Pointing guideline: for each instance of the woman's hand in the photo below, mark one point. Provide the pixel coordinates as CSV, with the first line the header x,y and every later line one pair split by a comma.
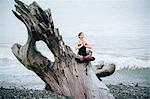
x,y
78,45
83,43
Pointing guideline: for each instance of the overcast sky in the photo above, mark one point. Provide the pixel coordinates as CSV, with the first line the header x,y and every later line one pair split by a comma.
x,y
105,16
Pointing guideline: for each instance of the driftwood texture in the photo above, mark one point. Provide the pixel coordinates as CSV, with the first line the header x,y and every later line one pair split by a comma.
x,y
64,76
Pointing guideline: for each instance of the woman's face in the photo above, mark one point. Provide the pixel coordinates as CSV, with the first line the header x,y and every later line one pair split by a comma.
x,y
81,36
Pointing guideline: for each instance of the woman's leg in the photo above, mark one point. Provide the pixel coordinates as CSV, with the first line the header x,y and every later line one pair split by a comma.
x,y
89,56
80,57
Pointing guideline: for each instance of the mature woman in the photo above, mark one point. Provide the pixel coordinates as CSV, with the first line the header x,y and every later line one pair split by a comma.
x,y
83,55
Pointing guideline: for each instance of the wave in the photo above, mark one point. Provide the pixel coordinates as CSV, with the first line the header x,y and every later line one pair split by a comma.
x,y
5,51
129,62
121,62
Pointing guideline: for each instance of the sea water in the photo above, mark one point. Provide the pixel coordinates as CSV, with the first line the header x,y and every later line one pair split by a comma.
x,y
119,31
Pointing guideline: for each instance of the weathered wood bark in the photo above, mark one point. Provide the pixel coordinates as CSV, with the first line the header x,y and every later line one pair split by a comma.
x,y
104,70
64,76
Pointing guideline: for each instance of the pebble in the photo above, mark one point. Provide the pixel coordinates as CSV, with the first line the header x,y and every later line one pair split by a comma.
x,y
122,91
28,94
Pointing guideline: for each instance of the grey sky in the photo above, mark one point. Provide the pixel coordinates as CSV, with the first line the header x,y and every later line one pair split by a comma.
x,y
98,16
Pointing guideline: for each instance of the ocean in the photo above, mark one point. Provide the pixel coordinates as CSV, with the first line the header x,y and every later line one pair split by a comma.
x,y
119,31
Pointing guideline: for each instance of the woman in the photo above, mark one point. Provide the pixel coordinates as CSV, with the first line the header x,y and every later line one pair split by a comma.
x,y
83,55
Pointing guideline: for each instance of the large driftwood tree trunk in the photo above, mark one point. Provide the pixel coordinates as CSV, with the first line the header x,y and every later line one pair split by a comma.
x,y
64,76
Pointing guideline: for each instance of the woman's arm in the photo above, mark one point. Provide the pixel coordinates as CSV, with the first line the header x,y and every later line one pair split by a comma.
x,y
87,45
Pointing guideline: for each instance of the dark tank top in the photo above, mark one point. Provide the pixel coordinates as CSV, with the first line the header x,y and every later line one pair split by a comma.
x,y
82,51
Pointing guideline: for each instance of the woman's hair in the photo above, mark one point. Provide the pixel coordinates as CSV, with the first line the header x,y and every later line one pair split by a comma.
x,y
79,34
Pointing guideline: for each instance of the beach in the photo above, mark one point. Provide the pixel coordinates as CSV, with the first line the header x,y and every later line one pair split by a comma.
x,y
129,92
119,92
15,93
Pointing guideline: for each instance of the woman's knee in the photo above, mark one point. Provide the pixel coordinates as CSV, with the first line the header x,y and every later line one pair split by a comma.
x,y
89,52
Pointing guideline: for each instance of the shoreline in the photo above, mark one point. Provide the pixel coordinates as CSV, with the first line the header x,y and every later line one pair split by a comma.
x,y
119,92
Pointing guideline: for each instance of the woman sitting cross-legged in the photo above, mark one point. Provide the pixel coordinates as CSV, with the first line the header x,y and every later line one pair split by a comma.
x,y
83,55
